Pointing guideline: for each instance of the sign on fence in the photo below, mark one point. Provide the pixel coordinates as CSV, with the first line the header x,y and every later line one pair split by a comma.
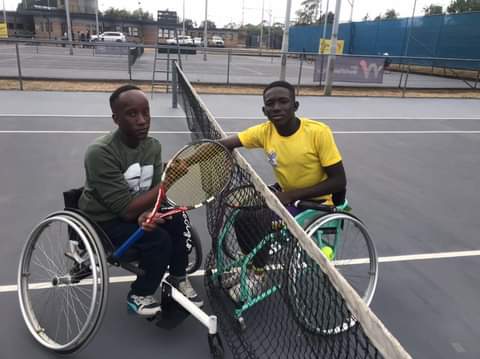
x,y
3,30
351,69
324,47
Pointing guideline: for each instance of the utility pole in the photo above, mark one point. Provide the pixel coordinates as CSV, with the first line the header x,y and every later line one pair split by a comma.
x,y
96,18
183,25
333,51
261,25
325,21
205,32
283,68
69,25
352,3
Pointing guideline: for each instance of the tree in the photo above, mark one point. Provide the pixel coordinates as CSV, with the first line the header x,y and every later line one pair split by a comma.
x,y
433,10
189,24
390,14
366,17
308,13
458,6
330,18
140,14
210,25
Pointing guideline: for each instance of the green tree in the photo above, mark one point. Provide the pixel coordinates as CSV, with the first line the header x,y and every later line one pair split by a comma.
x,y
433,10
390,14
458,6
366,17
140,14
210,24
114,12
308,13
330,18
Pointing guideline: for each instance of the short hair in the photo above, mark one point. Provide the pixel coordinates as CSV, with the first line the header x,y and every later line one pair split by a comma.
x,y
124,88
283,84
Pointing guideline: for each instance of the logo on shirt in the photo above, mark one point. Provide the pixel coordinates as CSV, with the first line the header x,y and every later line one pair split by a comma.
x,y
139,178
272,158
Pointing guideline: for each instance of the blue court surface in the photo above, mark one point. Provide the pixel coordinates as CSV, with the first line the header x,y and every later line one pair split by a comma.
x,y
412,167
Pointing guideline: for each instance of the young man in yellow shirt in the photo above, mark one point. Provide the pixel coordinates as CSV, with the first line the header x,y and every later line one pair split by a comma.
x,y
305,159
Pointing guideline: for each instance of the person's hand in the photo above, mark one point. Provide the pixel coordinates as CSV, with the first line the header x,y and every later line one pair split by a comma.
x,y
151,225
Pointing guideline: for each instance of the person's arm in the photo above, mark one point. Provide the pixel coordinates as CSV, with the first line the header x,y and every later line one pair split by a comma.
x,y
231,142
335,182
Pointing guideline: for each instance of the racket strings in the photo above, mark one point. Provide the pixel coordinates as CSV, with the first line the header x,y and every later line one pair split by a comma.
x,y
198,173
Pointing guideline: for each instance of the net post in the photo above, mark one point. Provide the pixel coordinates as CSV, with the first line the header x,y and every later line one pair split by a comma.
x,y
174,85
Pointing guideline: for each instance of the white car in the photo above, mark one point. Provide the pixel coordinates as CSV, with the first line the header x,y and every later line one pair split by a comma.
x,y
112,36
182,40
217,41
197,41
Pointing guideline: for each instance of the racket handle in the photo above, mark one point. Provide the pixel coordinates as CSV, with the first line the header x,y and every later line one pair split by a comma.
x,y
128,243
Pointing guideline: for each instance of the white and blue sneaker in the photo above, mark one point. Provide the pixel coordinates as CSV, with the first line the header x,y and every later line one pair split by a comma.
x,y
144,306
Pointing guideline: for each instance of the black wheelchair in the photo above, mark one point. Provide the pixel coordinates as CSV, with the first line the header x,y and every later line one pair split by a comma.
x,y
63,279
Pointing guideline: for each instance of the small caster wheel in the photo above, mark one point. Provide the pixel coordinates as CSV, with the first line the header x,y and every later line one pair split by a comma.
x,y
241,324
216,346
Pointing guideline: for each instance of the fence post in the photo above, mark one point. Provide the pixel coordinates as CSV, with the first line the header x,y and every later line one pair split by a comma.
x,y
476,80
406,80
129,59
19,67
229,59
174,85
300,74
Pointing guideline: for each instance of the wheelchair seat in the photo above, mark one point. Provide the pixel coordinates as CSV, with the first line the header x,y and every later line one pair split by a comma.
x,y
129,258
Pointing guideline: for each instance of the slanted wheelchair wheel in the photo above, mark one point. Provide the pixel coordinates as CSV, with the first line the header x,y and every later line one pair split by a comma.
x,y
63,282
194,251
314,300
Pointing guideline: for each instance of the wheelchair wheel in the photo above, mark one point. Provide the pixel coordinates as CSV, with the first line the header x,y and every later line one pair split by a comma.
x,y
194,251
63,282
313,298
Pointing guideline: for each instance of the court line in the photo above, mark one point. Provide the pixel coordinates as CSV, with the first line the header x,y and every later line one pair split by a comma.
x,y
389,259
259,118
399,132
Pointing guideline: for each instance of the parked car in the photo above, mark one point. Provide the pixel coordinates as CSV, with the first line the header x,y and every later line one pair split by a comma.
x,y
217,41
112,36
182,40
197,41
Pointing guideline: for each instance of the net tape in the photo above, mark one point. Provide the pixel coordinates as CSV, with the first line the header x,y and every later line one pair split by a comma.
x,y
312,312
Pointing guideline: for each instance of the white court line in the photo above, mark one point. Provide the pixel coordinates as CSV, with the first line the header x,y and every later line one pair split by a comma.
x,y
399,132
322,118
390,259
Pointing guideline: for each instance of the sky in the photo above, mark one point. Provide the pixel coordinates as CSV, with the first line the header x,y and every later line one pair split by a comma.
x,y
223,12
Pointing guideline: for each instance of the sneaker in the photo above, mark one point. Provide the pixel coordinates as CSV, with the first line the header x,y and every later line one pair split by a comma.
x,y
185,287
145,306
256,285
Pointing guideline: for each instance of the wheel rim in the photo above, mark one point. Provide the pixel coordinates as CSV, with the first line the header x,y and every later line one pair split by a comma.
x,y
59,307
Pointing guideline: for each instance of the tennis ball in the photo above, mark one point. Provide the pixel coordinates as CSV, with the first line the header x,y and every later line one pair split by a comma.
x,y
328,252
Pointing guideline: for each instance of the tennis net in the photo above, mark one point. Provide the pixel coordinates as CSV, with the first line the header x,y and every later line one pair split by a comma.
x,y
274,293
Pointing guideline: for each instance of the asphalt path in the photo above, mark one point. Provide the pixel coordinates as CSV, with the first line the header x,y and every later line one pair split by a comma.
x,y
412,168
56,63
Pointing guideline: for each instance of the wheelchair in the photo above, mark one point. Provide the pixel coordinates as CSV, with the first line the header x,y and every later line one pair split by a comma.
x,y
341,237
63,279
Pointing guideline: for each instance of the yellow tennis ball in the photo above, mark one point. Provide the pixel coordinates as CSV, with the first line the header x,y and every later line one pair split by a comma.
x,y
328,252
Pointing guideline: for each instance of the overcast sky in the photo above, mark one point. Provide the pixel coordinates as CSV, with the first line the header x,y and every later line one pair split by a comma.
x,y
223,12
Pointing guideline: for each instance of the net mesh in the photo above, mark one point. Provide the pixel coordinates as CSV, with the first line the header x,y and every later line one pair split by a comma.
x,y
274,294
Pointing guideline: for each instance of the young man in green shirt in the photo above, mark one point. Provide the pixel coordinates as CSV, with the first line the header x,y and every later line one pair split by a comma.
x,y
123,171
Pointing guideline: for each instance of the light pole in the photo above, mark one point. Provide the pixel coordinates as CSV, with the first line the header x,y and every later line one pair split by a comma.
x,y
5,17
261,25
352,3
96,18
183,25
69,25
205,32
333,51
283,66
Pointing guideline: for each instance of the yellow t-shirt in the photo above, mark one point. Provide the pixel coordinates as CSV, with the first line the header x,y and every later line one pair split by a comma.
x,y
298,160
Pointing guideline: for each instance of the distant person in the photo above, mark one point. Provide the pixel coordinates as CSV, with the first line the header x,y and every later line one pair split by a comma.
x,y
123,171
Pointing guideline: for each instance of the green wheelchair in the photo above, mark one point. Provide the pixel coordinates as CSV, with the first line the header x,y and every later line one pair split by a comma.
x,y
341,237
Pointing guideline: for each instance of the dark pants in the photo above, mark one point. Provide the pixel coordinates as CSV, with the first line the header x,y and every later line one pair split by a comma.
x,y
162,248
252,226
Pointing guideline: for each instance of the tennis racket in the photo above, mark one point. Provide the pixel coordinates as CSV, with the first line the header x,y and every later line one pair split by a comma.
x,y
194,176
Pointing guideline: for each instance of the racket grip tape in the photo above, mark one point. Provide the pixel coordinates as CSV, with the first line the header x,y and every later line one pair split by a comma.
x,y
128,243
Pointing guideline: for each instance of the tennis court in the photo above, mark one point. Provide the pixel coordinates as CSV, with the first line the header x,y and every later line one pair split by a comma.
x,y
411,164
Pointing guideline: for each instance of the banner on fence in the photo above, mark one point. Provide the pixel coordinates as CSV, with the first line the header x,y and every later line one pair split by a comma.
x,y
325,44
351,69
3,30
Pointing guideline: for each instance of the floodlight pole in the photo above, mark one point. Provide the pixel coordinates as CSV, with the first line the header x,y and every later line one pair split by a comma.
x,y
5,17
96,18
283,68
69,25
333,51
183,24
205,32
325,22
352,4
261,25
